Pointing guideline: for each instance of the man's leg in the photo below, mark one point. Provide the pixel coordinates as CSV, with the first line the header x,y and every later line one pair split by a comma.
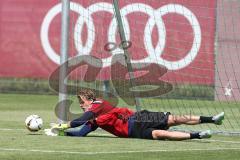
x,y
174,120
175,135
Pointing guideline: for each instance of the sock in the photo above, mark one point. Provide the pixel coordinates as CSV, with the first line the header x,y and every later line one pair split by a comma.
x,y
194,135
206,119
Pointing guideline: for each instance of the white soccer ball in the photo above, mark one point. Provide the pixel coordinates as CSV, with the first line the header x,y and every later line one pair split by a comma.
x,y
34,123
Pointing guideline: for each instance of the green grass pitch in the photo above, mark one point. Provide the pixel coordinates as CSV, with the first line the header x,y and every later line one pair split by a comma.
x,y
17,143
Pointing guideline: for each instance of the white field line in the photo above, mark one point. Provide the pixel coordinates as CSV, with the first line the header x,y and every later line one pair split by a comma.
x,y
21,129
106,134
214,140
112,152
11,129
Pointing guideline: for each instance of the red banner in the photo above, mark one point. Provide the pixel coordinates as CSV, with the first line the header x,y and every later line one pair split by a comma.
x,y
175,33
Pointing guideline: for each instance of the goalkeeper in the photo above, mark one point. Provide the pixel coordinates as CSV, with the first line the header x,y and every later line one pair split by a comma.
x,y
124,122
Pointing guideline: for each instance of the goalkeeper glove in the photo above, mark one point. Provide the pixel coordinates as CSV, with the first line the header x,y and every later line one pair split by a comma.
x,y
62,126
58,129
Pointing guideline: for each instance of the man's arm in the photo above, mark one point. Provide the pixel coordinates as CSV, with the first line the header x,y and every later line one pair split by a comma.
x,y
76,122
87,128
83,119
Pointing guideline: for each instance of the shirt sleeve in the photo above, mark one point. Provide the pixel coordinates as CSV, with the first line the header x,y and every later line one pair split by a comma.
x,y
83,119
86,128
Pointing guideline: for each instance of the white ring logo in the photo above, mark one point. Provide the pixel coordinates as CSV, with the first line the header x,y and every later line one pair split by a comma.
x,y
154,54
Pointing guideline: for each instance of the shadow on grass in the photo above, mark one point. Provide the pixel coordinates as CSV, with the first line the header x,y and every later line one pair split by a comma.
x,y
35,134
103,136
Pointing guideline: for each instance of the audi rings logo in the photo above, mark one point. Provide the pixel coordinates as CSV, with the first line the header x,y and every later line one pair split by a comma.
x,y
155,19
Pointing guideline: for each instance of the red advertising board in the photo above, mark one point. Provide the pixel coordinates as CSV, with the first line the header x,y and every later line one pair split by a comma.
x,y
178,34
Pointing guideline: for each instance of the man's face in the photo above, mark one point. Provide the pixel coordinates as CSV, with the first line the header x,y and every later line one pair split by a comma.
x,y
84,103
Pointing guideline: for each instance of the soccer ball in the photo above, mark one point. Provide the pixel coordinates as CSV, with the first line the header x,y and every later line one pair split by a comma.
x,y
34,123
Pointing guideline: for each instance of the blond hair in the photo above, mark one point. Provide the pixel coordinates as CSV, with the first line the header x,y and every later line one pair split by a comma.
x,y
87,93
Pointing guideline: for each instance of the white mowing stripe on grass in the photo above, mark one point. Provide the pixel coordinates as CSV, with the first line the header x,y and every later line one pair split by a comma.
x,y
112,152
